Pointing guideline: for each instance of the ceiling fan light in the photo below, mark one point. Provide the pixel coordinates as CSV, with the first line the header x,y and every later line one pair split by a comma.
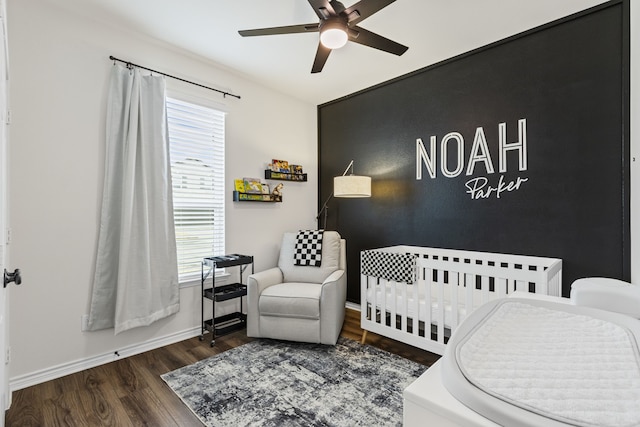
x,y
333,38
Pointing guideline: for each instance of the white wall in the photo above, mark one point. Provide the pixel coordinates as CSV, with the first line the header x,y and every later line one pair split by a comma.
x,y
635,141
59,76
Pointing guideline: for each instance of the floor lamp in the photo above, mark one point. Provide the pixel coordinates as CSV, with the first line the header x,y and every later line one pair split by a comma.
x,y
346,186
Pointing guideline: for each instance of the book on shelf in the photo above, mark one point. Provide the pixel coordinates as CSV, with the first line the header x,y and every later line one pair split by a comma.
x,y
252,185
239,185
295,169
266,192
279,165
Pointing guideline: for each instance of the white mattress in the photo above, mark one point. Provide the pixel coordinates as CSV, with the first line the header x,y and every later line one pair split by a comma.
x,y
529,363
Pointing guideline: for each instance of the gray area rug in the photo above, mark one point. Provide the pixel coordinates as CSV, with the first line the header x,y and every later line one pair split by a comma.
x,y
277,383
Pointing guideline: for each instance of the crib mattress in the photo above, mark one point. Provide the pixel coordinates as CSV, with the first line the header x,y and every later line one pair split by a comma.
x,y
530,363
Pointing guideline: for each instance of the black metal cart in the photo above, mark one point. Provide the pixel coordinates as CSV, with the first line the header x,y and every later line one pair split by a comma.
x,y
227,323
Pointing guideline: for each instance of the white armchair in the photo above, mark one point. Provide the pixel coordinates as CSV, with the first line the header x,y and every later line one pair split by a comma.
x,y
300,303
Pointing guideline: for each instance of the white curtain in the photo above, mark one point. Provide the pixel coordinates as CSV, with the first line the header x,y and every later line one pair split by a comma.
x,y
136,276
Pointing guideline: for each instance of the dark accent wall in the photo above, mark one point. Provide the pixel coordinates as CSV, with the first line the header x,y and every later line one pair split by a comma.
x,y
569,191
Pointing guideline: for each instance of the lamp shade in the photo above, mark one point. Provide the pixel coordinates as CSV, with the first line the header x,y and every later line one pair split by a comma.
x,y
352,186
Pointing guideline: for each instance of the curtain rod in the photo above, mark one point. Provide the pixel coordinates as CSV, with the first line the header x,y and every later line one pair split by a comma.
x,y
131,64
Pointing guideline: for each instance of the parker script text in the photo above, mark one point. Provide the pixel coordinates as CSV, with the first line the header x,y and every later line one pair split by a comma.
x,y
478,187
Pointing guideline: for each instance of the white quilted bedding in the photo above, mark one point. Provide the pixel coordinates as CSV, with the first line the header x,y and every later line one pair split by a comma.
x,y
537,363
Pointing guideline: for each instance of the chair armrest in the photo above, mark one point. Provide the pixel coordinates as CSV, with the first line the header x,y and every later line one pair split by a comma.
x,y
332,306
256,284
333,277
262,280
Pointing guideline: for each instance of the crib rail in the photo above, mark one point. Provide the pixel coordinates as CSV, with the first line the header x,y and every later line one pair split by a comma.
x,y
443,287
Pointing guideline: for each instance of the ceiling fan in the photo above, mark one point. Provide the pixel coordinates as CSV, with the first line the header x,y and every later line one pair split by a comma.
x,y
337,25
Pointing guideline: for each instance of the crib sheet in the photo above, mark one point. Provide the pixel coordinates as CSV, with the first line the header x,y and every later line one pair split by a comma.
x,y
530,363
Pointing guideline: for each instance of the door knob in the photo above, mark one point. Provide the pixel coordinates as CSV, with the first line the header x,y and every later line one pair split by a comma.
x,y
12,277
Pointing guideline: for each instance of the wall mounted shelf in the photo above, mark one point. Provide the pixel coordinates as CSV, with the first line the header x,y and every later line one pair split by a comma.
x,y
282,176
254,197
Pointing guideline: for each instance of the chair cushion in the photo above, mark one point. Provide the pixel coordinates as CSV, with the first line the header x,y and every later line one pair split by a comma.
x,y
308,274
291,299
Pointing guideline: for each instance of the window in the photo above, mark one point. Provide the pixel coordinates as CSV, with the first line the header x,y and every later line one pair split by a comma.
x,y
196,138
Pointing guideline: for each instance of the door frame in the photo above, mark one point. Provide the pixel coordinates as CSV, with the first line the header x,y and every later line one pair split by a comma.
x,y
5,394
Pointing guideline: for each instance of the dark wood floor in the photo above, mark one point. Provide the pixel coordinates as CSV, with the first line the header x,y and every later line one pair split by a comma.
x,y
130,392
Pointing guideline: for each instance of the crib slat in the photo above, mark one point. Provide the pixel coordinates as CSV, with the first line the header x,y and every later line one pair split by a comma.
x,y
521,285
374,299
470,284
454,286
374,296
429,296
484,286
501,287
441,306
426,290
393,303
382,300
404,308
364,300
554,285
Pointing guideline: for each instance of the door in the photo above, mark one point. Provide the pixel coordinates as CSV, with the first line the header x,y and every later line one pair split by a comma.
x,y
4,75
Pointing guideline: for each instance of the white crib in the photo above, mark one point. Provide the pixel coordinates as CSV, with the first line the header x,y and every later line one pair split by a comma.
x,y
418,295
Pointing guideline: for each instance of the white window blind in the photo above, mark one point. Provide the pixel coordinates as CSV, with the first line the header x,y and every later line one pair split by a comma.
x,y
196,137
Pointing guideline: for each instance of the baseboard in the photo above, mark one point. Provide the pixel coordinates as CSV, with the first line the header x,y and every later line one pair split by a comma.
x,y
44,375
353,306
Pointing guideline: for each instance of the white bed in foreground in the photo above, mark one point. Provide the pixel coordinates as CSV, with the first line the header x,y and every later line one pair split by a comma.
x,y
583,382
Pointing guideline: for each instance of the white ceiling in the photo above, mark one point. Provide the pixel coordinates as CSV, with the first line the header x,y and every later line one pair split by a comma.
x,y
434,30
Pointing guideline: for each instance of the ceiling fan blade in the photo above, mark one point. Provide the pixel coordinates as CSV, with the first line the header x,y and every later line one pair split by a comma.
x,y
322,8
364,37
321,57
289,29
364,9
338,7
